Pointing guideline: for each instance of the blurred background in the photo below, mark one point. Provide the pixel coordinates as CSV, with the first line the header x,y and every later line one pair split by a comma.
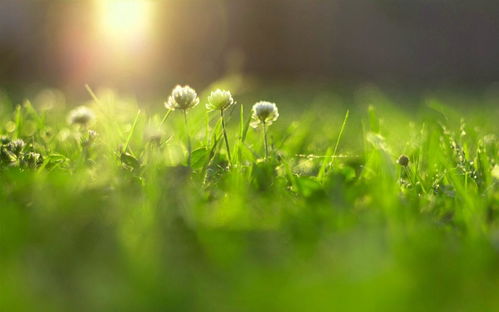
x,y
145,47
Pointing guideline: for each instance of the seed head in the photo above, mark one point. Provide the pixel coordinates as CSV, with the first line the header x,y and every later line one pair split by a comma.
x,y
264,112
182,98
81,115
403,160
219,100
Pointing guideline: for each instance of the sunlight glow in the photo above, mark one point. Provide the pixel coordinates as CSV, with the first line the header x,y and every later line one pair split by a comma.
x,y
124,21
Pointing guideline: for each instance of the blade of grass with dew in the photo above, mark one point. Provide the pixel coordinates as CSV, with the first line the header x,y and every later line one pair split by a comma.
x,y
331,153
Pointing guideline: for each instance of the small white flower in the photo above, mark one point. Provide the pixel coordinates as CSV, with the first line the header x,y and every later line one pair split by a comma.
x,y
182,98
81,115
219,100
31,160
264,113
16,146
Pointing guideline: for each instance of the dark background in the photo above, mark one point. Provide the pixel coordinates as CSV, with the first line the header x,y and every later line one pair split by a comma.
x,y
399,42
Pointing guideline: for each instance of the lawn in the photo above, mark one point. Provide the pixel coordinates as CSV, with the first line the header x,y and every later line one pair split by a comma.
x,y
360,200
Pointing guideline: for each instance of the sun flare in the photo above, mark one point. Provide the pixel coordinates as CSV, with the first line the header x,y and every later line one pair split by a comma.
x,y
124,20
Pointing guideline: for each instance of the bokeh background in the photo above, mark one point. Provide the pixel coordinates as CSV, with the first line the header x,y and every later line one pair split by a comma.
x,y
122,225
145,47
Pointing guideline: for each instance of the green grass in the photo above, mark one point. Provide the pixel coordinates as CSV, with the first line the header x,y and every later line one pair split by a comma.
x,y
330,221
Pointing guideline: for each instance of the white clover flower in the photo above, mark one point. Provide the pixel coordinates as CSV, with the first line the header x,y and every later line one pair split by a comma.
x,y
219,100
81,115
31,160
264,113
16,146
182,98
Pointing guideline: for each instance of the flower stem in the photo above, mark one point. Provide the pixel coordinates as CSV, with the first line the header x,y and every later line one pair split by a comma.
x,y
225,137
189,148
265,140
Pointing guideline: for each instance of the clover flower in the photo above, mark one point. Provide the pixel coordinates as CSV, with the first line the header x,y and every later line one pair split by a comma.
x,y
16,146
264,113
31,160
11,151
4,139
182,98
219,100
6,156
81,115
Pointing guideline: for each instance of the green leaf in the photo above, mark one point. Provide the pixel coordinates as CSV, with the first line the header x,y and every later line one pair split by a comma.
x,y
308,186
129,161
199,158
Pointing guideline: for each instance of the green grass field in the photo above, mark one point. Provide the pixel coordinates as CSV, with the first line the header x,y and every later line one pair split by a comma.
x,y
108,216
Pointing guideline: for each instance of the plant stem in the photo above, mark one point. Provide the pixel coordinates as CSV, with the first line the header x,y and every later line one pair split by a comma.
x,y
131,131
189,148
168,112
225,137
265,140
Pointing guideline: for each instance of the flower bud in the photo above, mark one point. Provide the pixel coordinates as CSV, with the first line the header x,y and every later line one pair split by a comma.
x,y
403,160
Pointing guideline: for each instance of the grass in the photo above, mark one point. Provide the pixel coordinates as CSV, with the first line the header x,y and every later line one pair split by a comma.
x,y
329,221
